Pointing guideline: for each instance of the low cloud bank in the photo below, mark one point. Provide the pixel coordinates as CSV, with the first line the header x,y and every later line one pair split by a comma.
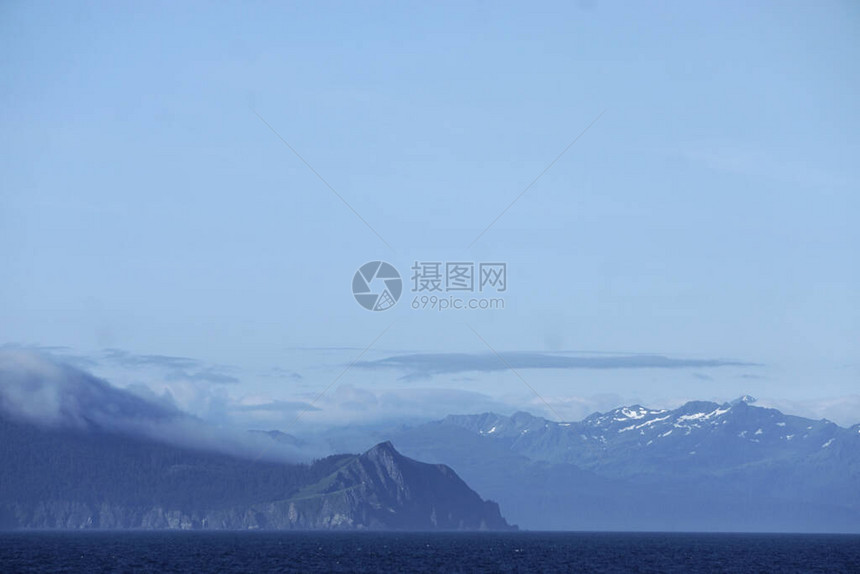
x,y
43,390
424,365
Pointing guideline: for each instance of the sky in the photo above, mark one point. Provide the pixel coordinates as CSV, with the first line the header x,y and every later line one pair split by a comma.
x,y
188,190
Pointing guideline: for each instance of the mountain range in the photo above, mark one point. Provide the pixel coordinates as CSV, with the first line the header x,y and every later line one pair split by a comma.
x,y
704,466
77,452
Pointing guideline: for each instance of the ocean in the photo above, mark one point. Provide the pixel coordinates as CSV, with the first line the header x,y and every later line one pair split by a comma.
x,y
66,551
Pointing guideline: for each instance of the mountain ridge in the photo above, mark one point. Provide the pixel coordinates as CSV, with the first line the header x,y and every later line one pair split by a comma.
x,y
85,479
702,466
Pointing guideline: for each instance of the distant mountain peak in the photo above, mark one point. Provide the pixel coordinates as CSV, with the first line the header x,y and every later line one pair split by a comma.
x,y
523,416
697,406
383,449
746,400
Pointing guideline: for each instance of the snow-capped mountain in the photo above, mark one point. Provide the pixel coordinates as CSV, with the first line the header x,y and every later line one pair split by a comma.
x,y
698,437
702,466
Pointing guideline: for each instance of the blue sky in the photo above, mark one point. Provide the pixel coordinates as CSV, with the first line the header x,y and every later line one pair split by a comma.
x,y
708,215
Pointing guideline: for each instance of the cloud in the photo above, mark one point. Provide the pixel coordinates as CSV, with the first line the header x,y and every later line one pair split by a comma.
x,y
208,391
48,391
574,407
289,407
844,410
281,373
424,365
44,390
66,353
132,360
208,375
350,404
173,368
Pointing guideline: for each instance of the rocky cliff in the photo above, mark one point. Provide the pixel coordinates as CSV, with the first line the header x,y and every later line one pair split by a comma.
x,y
53,478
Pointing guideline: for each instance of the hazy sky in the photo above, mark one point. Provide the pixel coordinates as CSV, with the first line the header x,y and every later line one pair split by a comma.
x,y
708,218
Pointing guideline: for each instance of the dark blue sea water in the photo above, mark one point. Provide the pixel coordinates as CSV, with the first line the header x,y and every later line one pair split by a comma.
x,y
416,552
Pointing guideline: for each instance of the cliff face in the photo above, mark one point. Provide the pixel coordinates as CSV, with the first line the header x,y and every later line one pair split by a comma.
x,y
384,489
57,479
